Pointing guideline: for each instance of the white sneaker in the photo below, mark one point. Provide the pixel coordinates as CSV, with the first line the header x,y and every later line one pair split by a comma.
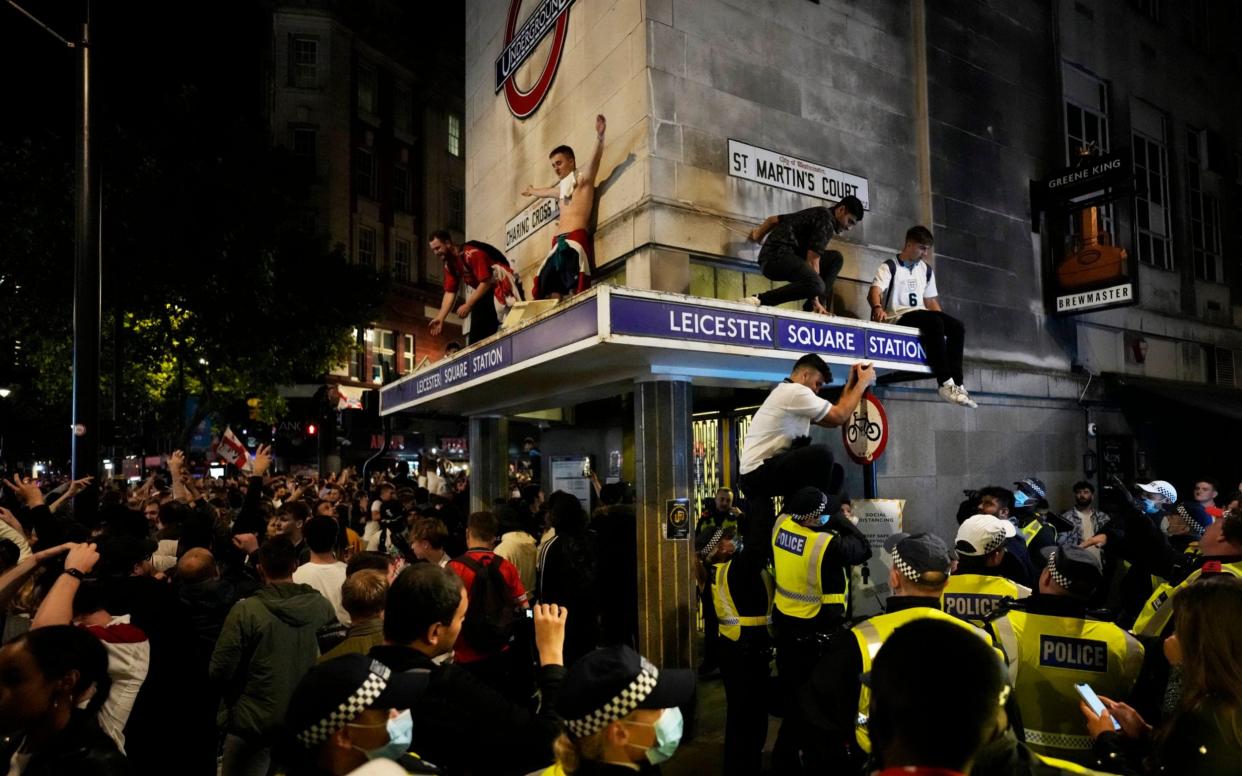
x,y
965,399
751,300
955,394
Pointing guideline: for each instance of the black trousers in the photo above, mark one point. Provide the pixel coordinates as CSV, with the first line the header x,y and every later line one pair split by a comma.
x,y
745,666
711,625
779,262
795,468
799,646
943,338
483,320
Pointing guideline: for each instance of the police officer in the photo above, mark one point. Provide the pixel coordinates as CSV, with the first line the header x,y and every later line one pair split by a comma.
x,y
742,599
976,589
1052,644
1220,552
721,514
835,704
1031,515
813,546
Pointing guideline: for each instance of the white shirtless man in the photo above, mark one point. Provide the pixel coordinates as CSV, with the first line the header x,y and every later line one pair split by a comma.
x,y
566,270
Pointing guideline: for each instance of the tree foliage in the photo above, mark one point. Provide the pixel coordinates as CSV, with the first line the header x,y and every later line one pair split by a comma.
x,y
220,290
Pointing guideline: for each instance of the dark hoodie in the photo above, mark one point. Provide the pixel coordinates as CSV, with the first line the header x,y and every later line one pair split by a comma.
x,y
266,645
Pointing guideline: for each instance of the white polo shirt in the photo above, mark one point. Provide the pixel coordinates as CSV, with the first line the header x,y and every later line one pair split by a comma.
x,y
788,412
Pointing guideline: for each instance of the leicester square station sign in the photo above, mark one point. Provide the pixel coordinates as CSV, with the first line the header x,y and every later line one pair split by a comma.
x,y
551,16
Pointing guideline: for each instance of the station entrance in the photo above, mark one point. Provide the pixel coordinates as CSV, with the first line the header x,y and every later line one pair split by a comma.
x,y
657,351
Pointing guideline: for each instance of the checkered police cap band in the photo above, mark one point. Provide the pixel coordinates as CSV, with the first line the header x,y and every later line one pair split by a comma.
x,y
1057,576
906,570
1035,487
995,543
814,513
618,707
354,705
1192,525
710,547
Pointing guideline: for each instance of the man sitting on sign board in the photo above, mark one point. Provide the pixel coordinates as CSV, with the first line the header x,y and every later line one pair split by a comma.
x,y
904,292
485,272
566,270
796,251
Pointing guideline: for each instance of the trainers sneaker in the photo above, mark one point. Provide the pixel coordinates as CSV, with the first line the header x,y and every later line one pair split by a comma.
x,y
751,300
965,397
954,394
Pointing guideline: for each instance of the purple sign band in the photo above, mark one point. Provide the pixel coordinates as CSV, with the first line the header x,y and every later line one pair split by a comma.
x,y
570,326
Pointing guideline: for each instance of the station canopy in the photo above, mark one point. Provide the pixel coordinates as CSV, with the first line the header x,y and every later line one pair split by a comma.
x,y
598,343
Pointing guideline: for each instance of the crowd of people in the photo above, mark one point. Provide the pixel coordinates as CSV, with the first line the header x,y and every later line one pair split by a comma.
x,y
266,623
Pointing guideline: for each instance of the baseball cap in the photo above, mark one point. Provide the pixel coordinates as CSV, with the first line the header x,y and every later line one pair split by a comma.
x,y
119,554
608,683
917,554
809,503
335,692
982,534
1077,570
1160,488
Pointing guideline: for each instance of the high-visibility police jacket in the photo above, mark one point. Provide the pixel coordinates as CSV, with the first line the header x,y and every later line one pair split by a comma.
x,y
871,635
1050,650
731,620
797,556
972,597
1156,613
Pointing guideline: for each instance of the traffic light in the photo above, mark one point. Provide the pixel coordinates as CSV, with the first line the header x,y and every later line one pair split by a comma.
x,y
311,429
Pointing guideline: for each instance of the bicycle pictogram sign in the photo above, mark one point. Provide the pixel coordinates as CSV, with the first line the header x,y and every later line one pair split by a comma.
x,y
865,433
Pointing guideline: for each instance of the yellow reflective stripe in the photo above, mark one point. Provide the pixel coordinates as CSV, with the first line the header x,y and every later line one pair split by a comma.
x,y
871,635
1064,765
1008,639
1031,530
764,620
813,579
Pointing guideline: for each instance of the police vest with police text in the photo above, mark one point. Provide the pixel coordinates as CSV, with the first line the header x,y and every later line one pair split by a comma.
x,y
797,553
872,634
731,622
1157,612
972,597
1048,654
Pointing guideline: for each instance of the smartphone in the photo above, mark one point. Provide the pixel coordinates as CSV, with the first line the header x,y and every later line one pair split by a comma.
x,y
1093,701
586,467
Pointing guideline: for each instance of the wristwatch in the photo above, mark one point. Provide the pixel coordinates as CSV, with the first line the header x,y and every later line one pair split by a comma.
x,y
76,574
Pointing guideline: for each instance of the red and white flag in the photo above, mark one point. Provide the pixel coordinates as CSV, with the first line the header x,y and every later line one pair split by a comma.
x,y
230,449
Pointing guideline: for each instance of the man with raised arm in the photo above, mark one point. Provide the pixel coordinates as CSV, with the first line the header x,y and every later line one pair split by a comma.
x,y
566,270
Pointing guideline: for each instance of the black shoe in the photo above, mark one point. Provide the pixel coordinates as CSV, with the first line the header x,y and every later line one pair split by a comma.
x,y
708,670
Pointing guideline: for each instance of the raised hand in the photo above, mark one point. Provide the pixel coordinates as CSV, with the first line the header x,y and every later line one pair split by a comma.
x,y
601,125
26,489
262,460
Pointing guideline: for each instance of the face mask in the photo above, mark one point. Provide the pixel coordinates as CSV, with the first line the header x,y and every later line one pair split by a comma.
x,y
668,735
400,734
1020,499
1150,507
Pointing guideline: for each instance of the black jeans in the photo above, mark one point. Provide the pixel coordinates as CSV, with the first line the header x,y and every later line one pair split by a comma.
x,y
745,666
483,320
795,468
943,338
779,262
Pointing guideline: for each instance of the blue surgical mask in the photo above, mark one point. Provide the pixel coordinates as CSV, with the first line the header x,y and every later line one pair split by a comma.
x,y
668,729
1020,499
1150,507
400,734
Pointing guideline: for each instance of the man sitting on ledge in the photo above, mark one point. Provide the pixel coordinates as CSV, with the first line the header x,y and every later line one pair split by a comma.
x,y
904,292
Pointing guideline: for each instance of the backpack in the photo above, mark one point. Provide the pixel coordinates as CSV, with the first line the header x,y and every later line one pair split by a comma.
x,y
892,280
491,615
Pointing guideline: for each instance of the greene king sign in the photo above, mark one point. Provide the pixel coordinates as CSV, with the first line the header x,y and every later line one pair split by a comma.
x,y
550,16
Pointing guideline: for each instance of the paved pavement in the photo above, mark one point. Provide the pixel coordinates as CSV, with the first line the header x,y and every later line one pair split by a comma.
x,y
704,756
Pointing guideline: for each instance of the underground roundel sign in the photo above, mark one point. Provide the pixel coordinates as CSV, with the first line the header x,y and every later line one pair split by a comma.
x,y
551,16
865,434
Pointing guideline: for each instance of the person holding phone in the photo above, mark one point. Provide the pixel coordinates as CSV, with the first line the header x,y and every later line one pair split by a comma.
x,y
1053,645
1204,735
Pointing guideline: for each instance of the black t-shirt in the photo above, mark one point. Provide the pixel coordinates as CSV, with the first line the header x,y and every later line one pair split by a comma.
x,y
806,230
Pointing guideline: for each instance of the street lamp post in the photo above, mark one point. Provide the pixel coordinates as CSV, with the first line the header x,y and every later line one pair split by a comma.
x,y
86,287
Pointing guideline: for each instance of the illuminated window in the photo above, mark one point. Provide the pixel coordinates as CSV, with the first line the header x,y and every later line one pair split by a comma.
x,y
454,134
